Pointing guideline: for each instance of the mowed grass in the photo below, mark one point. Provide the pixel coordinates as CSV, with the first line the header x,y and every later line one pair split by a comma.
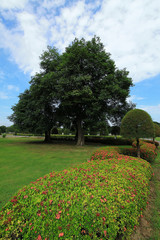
x,y
23,160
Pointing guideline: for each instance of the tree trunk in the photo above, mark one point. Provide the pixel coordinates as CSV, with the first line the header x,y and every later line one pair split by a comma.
x,y
154,140
80,140
47,136
138,148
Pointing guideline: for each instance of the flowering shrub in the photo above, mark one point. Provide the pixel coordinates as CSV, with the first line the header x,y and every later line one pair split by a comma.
x,y
100,199
148,151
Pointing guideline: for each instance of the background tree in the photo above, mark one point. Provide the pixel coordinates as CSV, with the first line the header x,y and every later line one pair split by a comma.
x,y
115,130
36,110
137,124
3,129
156,131
90,86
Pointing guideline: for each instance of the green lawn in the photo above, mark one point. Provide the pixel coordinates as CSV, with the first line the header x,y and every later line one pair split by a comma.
x,y
23,160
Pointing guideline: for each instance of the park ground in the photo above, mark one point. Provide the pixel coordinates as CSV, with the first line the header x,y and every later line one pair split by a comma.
x,y
22,161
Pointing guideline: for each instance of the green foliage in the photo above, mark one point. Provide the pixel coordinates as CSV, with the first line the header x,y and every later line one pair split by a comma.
x,y
3,129
67,204
108,140
54,130
3,135
115,130
137,124
148,151
80,89
157,130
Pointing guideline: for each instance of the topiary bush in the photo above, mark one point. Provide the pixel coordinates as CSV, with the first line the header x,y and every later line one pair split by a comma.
x,y
137,124
99,199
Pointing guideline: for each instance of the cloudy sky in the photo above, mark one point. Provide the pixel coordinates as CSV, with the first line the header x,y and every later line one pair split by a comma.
x,y
129,29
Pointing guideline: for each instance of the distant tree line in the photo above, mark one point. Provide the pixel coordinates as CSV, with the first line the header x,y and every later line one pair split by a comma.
x,y
81,90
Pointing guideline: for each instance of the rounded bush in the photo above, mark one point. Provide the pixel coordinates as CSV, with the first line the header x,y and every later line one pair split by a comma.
x,y
137,123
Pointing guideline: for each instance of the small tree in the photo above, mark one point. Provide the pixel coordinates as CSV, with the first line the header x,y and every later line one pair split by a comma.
x,y
137,124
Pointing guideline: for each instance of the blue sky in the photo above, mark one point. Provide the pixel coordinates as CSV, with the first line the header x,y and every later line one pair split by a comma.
x,y
129,30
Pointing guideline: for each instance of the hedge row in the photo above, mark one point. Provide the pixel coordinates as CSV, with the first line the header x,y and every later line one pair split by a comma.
x,y
148,151
95,139
100,199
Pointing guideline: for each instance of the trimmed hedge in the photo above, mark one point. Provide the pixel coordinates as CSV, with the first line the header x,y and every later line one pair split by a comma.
x,y
148,151
109,140
95,139
100,199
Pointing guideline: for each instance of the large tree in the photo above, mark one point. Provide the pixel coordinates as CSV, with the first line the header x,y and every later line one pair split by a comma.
x,y
90,85
78,89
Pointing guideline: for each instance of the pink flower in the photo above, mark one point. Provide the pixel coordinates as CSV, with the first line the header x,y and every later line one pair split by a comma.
x,y
58,216
39,237
61,234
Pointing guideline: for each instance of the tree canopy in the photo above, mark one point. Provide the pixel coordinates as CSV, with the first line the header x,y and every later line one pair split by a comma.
x,y
80,88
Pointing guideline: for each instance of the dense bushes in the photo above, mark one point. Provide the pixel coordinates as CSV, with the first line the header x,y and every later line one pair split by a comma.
x,y
109,140
147,151
95,139
100,199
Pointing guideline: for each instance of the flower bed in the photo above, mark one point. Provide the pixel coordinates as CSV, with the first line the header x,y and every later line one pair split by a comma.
x,y
101,199
148,151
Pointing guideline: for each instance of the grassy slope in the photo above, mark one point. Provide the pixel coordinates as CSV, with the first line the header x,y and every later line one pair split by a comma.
x,y
22,160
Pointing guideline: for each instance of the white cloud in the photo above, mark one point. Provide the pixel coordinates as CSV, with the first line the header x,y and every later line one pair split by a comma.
x,y
53,4
25,42
12,4
12,87
130,31
133,98
154,111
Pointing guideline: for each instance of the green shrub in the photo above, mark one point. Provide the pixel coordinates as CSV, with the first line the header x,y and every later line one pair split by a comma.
x,y
101,199
155,142
137,124
109,140
4,135
147,151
